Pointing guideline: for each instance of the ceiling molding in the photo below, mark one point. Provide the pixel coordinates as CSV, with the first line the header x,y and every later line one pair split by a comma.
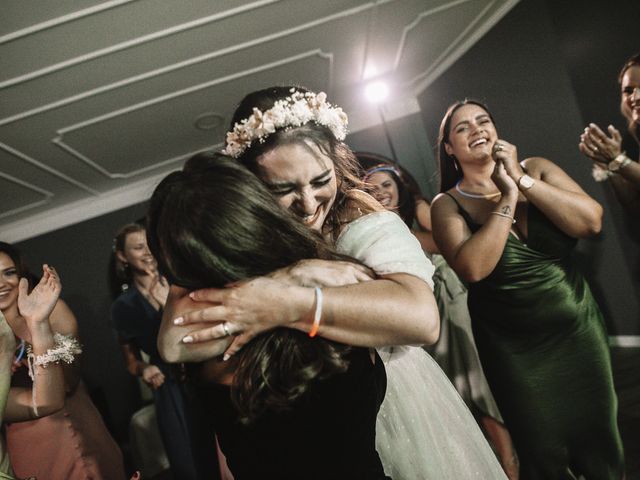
x,y
59,139
416,22
60,125
48,196
55,22
192,61
133,43
26,158
461,45
79,211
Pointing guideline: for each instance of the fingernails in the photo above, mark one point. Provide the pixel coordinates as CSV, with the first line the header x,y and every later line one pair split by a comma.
x,y
192,295
178,321
226,357
187,339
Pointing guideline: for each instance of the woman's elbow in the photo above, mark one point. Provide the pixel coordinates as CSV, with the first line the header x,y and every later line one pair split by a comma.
x,y
430,330
592,224
472,274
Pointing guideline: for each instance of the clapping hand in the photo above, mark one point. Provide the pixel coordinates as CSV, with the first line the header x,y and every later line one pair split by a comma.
x,y
507,154
35,307
598,146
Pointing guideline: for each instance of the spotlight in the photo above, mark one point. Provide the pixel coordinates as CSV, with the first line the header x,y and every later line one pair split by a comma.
x,y
376,92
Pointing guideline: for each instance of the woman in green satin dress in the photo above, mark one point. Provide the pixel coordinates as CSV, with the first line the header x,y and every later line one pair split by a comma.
x,y
508,229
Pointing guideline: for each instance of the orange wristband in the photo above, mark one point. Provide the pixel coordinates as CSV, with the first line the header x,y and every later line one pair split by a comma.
x,y
317,314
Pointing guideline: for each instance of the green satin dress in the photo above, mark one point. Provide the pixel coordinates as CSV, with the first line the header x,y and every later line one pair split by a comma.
x,y
543,345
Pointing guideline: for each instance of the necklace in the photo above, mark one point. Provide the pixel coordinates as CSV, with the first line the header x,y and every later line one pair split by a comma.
x,y
486,196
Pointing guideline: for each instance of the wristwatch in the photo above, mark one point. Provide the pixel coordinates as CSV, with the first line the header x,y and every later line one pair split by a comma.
x,y
525,182
619,162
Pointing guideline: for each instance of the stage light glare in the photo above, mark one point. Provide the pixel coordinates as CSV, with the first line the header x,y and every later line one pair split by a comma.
x,y
376,92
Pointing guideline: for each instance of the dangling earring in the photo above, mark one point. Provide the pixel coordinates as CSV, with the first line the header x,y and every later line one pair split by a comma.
x,y
455,163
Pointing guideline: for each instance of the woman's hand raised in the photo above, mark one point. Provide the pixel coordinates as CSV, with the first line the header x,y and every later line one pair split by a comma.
x,y
35,307
507,154
505,183
598,146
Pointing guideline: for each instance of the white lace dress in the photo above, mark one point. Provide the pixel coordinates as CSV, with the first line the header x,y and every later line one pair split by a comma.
x,y
424,429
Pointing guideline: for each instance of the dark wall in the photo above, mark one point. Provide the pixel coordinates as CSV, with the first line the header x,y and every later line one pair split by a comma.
x,y
81,254
538,97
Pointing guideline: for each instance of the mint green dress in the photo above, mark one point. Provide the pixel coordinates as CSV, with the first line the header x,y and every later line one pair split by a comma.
x,y
543,345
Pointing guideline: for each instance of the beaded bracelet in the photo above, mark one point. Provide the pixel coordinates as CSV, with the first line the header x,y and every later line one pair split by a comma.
x,y
513,220
65,348
317,314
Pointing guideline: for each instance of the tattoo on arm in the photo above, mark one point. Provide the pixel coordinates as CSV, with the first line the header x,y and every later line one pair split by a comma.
x,y
506,210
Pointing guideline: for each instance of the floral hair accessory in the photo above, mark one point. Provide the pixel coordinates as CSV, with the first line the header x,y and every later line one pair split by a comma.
x,y
293,111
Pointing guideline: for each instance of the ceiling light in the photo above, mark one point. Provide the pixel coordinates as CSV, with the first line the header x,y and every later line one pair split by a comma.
x,y
376,92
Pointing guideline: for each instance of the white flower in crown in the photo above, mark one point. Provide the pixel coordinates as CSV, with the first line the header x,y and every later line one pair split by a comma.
x,y
292,111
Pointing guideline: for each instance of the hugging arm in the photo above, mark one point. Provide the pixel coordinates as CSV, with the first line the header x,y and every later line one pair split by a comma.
x,y
170,338
392,309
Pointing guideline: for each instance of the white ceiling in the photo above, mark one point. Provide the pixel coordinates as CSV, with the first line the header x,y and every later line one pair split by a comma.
x,y
98,100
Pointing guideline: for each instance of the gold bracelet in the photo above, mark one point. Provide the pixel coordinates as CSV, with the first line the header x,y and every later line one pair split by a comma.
x,y
513,220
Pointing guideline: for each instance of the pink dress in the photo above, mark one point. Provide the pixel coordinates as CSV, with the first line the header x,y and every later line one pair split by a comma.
x,y
72,444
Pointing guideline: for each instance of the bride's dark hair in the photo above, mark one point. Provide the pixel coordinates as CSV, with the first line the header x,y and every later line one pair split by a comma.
x,y
215,222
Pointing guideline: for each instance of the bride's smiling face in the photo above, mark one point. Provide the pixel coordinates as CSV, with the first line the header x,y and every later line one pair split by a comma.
x,y
303,179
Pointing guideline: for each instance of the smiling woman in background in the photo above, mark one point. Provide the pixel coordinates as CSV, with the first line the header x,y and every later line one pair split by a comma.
x,y
508,228
605,149
136,316
73,443
46,396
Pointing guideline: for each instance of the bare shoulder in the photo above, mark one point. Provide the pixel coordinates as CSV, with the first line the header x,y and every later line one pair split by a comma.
x,y
443,203
357,204
63,320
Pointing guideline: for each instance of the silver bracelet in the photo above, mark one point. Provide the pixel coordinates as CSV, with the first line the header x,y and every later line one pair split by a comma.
x,y
513,220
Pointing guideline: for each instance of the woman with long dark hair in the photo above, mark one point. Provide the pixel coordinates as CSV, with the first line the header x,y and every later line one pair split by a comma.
x,y
46,396
74,442
508,229
287,405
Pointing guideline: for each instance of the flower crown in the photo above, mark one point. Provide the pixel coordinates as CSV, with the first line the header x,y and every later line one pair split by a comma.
x,y
293,111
